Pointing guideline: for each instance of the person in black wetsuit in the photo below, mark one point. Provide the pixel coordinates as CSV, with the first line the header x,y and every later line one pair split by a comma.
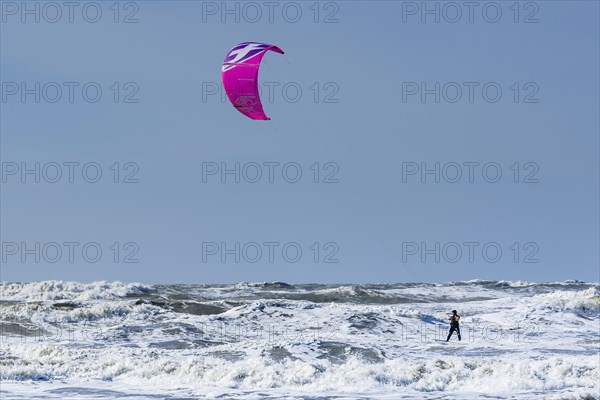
x,y
454,318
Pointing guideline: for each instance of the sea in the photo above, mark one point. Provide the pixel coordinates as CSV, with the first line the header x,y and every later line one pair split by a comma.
x,y
276,340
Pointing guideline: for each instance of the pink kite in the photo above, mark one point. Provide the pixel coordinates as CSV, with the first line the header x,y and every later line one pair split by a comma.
x,y
240,77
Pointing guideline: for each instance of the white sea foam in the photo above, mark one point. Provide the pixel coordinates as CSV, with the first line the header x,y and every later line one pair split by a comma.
x,y
285,341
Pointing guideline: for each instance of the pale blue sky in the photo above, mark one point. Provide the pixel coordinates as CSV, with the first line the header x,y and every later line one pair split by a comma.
x,y
171,54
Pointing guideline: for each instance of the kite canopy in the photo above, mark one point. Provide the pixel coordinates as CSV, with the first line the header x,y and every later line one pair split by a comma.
x,y
240,77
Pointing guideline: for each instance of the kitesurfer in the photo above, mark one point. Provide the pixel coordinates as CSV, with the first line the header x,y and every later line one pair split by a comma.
x,y
454,319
